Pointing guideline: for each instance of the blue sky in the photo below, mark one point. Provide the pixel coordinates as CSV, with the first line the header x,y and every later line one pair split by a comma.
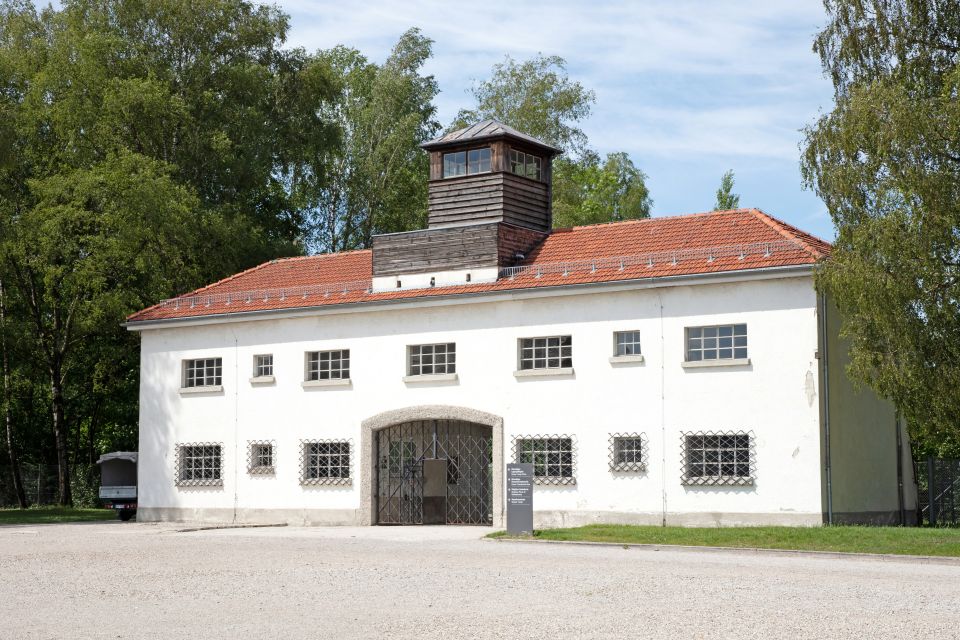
x,y
688,89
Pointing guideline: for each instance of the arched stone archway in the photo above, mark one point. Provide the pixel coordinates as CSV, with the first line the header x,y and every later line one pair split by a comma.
x,y
371,425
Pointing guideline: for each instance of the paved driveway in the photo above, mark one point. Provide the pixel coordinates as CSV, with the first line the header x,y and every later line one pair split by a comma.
x,y
109,580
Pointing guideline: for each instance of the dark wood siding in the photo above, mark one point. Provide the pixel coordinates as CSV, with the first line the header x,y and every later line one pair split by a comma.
x,y
490,197
453,248
526,202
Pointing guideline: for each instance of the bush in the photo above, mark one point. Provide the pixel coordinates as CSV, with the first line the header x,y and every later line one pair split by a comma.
x,y
85,485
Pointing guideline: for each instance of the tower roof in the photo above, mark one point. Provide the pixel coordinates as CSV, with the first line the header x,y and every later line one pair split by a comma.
x,y
486,130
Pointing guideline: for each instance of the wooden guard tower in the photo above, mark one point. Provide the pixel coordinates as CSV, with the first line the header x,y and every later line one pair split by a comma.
x,y
489,202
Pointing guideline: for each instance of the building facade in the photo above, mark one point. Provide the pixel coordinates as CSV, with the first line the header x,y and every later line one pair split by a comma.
x,y
675,370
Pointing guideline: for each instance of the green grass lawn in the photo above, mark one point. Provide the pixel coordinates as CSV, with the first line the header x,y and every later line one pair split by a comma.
x,y
898,540
48,515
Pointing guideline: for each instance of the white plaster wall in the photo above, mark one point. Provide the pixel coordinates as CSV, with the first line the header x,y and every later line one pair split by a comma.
x,y
775,397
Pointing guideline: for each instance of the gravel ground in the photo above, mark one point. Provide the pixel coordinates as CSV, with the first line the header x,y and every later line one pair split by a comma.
x,y
115,580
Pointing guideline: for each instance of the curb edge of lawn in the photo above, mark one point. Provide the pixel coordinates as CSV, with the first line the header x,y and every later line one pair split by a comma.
x,y
789,553
217,527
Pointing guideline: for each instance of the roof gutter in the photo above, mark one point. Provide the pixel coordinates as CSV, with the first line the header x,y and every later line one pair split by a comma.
x,y
763,273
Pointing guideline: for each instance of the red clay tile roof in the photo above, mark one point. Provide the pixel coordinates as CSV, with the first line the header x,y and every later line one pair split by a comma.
x,y
719,241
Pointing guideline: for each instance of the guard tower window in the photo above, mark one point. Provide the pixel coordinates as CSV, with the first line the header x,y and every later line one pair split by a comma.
x,y
525,164
461,163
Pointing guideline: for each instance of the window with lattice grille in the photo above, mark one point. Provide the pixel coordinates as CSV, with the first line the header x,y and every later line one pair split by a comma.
x,y
718,458
260,457
628,452
203,372
325,462
432,359
720,342
328,365
549,352
199,465
552,458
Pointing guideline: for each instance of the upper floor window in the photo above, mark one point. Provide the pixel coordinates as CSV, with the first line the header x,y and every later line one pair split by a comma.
x,y
526,164
720,342
328,365
432,359
551,352
203,372
626,343
461,163
263,365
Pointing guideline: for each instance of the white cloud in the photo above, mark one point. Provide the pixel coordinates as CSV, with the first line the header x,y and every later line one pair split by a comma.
x,y
684,86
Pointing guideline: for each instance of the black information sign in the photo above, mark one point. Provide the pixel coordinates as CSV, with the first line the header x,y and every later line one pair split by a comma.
x,y
520,498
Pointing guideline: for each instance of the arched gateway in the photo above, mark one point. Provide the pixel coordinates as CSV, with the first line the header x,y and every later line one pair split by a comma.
x,y
432,464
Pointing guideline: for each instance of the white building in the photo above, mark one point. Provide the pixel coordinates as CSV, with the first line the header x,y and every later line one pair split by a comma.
x,y
680,370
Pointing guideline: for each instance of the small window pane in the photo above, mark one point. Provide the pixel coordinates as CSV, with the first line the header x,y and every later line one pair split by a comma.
x,y
263,365
478,160
720,342
551,352
203,372
628,343
328,365
432,359
454,164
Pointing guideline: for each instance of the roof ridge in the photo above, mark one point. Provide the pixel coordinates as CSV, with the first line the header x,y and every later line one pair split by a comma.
x,y
654,218
320,255
790,232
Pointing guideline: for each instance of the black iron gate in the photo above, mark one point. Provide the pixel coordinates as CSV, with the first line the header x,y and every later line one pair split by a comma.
x,y
460,451
938,488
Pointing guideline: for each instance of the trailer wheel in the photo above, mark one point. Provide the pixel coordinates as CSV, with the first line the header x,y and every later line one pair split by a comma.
x,y
126,514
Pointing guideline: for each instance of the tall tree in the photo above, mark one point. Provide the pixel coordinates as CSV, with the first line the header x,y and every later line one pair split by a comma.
x,y
886,161
726,198
538,97
375,179
98,243
591,191
12,456
198,102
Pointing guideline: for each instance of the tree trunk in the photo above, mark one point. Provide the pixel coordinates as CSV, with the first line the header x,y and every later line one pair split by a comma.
x,y
60,432
7,418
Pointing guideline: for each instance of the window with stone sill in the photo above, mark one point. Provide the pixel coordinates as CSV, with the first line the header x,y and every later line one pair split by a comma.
x,y
328,365
717,342
550,352
202,372
432,359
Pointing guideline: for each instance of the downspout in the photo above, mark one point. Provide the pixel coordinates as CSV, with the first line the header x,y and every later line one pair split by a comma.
x,y
663,417
903,513
825,363
236,420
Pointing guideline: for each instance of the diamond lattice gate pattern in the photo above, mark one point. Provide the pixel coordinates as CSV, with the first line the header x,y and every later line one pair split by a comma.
x,y
434,471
